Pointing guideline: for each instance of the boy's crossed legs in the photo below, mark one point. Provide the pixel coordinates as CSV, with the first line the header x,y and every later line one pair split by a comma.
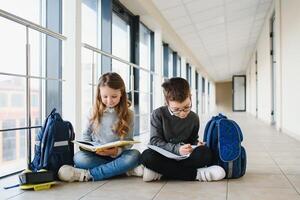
x,y
192,168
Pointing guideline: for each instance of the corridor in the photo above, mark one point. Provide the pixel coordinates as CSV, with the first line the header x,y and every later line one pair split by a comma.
x,y
272,173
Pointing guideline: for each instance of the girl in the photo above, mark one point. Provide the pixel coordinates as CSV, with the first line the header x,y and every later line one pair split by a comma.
x,y
111,120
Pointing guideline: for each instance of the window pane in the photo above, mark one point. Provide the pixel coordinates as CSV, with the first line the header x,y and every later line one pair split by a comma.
x,y
121,47
22,139
144,124
178,66
13,41
14,90
3,99
36,91
170,63
9,140
86,87
37,53
145,49
29,9
144,103
90,22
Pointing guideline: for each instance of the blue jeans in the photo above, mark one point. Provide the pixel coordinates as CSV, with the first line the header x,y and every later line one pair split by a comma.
x,y
103,167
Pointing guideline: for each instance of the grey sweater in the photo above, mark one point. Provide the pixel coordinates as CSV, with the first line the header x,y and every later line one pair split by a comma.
x,y
105,134
170,132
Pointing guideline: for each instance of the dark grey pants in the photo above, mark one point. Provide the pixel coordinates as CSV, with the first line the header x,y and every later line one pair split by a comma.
x,y
172,169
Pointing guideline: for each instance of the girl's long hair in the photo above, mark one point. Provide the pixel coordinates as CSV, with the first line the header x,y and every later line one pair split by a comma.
x,y
114,81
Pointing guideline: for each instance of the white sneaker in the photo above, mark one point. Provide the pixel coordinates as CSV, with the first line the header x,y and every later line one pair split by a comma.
x,y
212,173
137,171
150,175
70,174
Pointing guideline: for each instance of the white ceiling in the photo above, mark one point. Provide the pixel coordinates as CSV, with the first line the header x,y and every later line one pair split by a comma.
x,y
221,33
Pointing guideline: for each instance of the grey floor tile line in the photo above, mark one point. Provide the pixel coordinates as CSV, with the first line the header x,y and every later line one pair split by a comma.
x,y
159,190
291,183
93,190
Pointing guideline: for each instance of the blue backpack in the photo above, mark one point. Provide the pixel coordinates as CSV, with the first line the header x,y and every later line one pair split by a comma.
x,y
223,136
53,146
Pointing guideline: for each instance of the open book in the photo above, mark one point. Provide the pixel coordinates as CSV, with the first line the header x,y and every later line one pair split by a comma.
x,y
94,146
169,154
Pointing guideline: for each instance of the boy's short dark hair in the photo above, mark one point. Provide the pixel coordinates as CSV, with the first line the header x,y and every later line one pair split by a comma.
x,y
176,89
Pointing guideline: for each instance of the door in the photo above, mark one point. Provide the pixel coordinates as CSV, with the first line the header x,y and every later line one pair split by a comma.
x,y
239,93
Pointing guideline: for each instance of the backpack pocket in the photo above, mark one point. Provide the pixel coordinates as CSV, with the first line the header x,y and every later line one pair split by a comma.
x,y
229,140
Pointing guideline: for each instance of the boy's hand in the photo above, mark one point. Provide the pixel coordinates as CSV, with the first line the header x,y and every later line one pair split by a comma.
x,y
200,143
108,152
185,149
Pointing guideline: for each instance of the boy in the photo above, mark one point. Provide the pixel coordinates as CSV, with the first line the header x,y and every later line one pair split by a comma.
x,y
175,127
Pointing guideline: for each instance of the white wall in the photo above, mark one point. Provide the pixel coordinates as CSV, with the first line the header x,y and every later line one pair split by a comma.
x,y
290,61
259,92
252,87
264,74
287,46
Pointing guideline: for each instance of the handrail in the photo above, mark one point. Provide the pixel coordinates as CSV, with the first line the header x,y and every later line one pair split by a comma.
x,y
119,59
21,128
31,25
33,77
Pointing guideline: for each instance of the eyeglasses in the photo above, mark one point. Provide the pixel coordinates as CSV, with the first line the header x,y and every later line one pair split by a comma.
x,y
178,111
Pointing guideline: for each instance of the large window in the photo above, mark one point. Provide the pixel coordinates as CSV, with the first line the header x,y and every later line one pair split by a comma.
x,y
13,88
44,51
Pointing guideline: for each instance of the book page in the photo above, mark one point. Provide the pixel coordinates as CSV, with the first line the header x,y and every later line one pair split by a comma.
x,y
167,153
93,146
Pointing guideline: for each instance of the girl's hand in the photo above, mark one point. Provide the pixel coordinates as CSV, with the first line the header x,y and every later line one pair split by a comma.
x,y
108,152
200,143
185,149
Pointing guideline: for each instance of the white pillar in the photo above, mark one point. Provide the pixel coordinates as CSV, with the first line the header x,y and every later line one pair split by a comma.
x,y
71,89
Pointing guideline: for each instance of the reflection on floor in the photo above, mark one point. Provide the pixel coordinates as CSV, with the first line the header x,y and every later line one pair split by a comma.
x,y
273,172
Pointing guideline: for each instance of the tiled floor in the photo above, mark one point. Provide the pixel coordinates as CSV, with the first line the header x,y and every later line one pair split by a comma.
x,y
273,173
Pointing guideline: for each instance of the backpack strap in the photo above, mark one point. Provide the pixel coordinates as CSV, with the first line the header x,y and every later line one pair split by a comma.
x,y
206,130
47,126
210,132
72,133
52,112
221,116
